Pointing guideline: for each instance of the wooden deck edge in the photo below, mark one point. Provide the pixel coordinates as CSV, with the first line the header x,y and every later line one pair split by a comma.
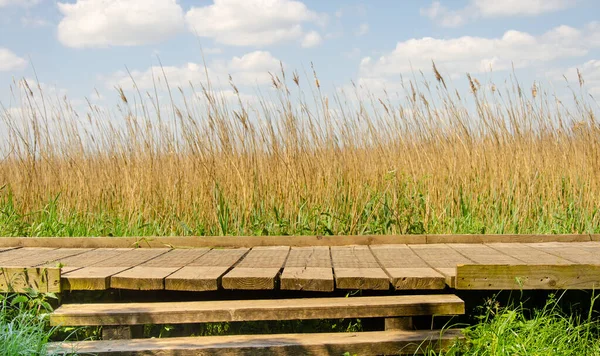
x,y
527,277
255,310
23,279
512,238
295,241
361,343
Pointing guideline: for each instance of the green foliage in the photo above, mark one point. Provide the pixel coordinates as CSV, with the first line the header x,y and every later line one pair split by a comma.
x,y
388,212
515,330
23,324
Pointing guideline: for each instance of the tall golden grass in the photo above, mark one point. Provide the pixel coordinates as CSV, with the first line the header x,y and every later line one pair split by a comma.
x,y
495,159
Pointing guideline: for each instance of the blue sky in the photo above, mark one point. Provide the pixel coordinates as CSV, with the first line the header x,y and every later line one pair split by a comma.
x,y
79,46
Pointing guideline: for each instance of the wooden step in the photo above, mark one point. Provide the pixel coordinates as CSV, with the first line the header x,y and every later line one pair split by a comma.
x,y
361,343
253,310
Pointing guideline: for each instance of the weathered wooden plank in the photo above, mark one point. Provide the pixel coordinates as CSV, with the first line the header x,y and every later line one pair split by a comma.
x,y
8,256
20,280
362,343
297,241
132,258
97,276
211,241
258,270
88,258
355,267
89,278
591,244
401,323
406,269
64,270
204,274
482,254
517,277
528,254
151,274
45,257
308,269
576,253
255,310
442,258
506,238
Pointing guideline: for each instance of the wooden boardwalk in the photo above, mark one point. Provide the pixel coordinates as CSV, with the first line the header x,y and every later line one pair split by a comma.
x,y
434,266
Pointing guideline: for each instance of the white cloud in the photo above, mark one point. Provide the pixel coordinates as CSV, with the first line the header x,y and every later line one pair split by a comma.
x,y
177,76
102,23
50,91
491,8
590,72
247,70
15,104
232,98
363,29
311,39
252,68
479,54
251,22
23,3
10,61
444,16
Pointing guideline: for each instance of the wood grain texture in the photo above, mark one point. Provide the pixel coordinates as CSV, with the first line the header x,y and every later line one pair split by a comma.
x,y
259,270
97,276
210,241
507,238
45,257
298,241
584,253
482,254
363,343
355,267
528,254
406,269
88,258
401,323
595,237
255,310
205,273
528,277
89,278
18,254
151,274
443,258
308,269
20,280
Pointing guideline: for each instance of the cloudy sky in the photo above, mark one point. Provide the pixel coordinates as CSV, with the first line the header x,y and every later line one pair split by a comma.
x,y
83,47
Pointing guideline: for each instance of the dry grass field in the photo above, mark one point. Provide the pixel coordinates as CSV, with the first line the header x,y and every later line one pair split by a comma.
x,y
507,158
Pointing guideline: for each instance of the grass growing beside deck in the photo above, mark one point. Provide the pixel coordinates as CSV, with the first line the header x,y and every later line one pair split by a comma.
x,y
375,217
515,330
24,329
498,331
